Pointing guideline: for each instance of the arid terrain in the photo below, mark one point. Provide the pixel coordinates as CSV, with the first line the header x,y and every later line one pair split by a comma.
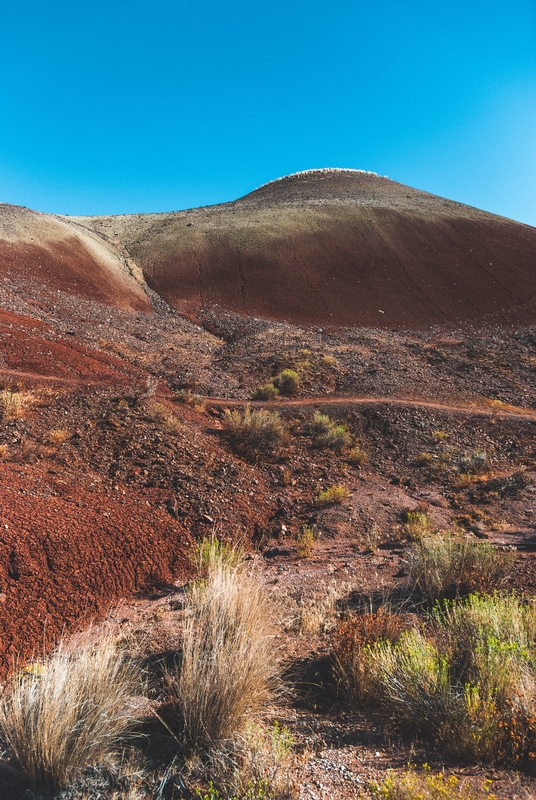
x,y
125,342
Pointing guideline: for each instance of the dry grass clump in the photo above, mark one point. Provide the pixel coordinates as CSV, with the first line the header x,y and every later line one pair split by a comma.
x,y
70,714
417,525
445,565
333,495
14,404
288,382
188,398
305,541
56,437
257,431
319,613
211,554
327,433
465,680
229,664
161,413
412,785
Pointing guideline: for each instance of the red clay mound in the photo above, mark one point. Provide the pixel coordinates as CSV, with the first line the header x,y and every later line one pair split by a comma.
x,y
63,559
32,351
338,248
63,256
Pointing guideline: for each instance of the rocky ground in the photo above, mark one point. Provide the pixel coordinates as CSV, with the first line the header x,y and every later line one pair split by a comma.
x,y
119,457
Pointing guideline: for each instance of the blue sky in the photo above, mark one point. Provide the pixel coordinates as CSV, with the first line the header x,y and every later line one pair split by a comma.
x,y
115,107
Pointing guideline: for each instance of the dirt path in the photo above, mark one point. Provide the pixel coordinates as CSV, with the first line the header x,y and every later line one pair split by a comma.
x,y
301,402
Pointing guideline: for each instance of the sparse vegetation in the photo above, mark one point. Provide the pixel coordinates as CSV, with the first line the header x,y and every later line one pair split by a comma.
x,y
70,714
229,666
305,541
56,437
288,382
188,398
357,456
446,565
255,431
266,392
14,404
413,785
163,414
417,525
327,433
333,495
466,679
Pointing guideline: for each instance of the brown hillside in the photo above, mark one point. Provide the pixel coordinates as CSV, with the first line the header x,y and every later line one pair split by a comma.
x,y
59,255
337,247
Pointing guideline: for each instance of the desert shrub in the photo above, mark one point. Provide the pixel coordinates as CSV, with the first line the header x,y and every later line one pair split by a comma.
x,y
472,462
318,613
468,684
351,650
56,437
445,565
163,414
260,766
70,713
13,404
490,640
413,785
266,392
211,553
424,459
188,398
412,679
288,382
256,431
229,666
327,433
333,495
357,456
417,525
305,541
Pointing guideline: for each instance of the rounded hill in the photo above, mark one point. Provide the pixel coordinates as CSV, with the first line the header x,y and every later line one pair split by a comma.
x,y
337,247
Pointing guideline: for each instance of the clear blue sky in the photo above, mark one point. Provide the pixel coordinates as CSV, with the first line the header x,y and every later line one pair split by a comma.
x,y
123,106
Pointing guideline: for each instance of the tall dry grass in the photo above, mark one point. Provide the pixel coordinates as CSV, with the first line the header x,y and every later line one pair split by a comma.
x,y
70,713
229,664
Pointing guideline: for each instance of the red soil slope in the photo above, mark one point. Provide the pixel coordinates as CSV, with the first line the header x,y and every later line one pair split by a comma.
x,y
67,552
32,351
62,256
338,248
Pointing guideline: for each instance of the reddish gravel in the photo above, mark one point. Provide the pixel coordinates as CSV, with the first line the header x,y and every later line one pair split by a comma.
x,y
67,552
31,350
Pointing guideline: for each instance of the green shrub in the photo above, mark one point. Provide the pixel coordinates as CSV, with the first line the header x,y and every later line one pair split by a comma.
x,y
412,785
288,382
417,525
256,431
357,456
466,681
327,433
333,495
444,565
266,392
306,541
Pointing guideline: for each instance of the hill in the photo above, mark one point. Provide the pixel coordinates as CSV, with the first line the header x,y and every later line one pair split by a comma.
x,y
336,247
